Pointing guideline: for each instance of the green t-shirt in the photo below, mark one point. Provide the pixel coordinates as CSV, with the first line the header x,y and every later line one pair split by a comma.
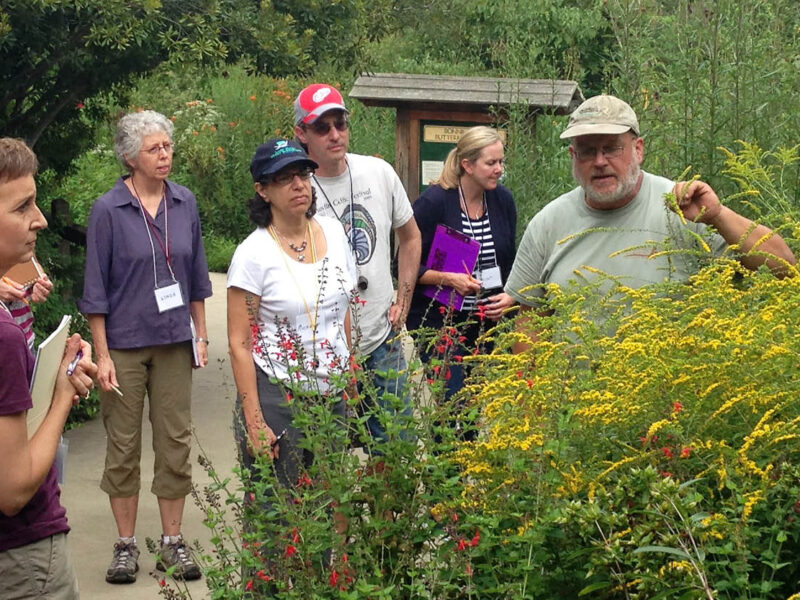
x,y
567,236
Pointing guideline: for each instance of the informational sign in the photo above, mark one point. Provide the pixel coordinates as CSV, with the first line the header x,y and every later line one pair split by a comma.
x,y
450,134
437,138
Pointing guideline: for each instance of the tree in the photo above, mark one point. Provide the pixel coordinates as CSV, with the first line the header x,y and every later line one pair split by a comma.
x,y
56,53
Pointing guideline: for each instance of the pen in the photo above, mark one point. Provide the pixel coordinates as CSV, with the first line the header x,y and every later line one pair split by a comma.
x,y
468,272
278,439
13,283
73,365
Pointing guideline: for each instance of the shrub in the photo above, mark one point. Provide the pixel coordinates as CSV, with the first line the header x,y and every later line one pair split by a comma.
x,y
651,457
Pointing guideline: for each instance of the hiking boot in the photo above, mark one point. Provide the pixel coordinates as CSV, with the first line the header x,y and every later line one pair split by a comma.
x,y
177,555
123,566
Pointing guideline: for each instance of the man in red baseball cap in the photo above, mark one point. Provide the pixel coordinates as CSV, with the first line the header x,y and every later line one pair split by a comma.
x,y
366,196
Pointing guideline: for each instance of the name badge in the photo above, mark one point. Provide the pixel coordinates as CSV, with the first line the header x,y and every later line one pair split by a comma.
x,y
491,278
169,297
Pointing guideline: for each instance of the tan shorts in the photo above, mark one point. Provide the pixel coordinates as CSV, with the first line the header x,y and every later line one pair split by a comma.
x,y
164,374
42,569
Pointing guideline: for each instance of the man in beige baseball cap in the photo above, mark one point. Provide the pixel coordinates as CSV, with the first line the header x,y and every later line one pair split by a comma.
x,y
616,221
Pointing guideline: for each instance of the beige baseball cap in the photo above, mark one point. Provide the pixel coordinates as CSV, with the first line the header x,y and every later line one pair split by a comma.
x,y
601,114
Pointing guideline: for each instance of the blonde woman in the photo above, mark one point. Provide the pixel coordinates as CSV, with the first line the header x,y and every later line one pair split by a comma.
x,y
468,198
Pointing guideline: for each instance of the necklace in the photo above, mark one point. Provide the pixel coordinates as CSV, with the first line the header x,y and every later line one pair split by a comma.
x,y
297,249
312,318
478,212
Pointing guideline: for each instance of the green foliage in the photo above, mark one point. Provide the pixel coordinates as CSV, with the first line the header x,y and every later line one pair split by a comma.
x,y
338,30
702,74
93,174
530,39
55,54
219,252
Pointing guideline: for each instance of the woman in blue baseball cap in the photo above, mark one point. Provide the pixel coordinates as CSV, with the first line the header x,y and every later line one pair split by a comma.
x,y
289,293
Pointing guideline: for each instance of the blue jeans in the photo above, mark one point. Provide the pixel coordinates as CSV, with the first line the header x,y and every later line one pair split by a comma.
x,y
389,371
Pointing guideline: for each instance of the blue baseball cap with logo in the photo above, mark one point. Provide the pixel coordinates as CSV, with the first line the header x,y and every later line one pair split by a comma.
x,y
274,155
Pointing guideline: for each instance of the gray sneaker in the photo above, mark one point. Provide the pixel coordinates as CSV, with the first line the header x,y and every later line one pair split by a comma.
x,y
123,566
179,556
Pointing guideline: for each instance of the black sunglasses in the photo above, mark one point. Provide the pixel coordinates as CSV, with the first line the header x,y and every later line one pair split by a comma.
x,y
286,177
321,127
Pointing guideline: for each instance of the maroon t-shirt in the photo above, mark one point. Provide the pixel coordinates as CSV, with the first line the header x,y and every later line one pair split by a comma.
x,y
43,515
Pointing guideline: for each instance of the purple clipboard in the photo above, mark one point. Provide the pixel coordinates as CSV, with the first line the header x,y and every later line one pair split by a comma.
x,y
450,252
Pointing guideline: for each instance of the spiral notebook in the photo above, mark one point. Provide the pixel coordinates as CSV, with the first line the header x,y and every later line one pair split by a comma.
x,y
45,372
25,273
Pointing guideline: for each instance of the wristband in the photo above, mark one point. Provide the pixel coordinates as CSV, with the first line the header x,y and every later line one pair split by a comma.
x,y
204,340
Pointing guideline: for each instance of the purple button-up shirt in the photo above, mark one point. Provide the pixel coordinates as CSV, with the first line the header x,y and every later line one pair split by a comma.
x,y
119,281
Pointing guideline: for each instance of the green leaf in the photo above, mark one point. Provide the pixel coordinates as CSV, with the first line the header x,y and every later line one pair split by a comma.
x,y
599,585
686,484
663,550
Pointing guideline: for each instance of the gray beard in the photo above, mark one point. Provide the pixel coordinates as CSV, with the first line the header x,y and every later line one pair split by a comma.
x,y
624,189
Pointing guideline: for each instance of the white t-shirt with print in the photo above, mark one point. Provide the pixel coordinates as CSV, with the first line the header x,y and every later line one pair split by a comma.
x,y
379,205
302,308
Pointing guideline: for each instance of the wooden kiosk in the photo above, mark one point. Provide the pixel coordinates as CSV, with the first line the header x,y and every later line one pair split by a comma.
x,y
433,111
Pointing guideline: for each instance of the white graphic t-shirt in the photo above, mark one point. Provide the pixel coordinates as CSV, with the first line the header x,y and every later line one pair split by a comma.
x,y
379,204
302,307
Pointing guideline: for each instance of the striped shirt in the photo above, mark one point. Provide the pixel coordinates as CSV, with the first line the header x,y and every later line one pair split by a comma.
x,y
23,316
481,231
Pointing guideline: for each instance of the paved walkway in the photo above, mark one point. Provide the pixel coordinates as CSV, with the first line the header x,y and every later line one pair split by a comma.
x,y
93,529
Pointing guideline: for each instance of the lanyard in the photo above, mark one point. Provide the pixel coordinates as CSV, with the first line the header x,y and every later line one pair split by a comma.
x,y
478,268
148,225
463,202
351,238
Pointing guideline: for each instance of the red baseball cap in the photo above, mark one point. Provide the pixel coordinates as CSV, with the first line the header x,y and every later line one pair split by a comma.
x,y
315,100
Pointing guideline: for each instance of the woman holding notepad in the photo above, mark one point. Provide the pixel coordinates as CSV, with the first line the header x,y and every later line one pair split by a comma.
x,y
146,275
469,199
34,560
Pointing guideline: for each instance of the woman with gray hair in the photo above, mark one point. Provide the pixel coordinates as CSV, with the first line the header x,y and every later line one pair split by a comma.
x,y
145,285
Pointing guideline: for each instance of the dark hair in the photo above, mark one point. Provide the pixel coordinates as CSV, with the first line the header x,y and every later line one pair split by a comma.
x,y
16,159
260,210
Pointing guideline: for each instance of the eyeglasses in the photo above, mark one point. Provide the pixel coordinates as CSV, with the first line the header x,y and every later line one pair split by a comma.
x,y
584,154
167,147
321,127
287,177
